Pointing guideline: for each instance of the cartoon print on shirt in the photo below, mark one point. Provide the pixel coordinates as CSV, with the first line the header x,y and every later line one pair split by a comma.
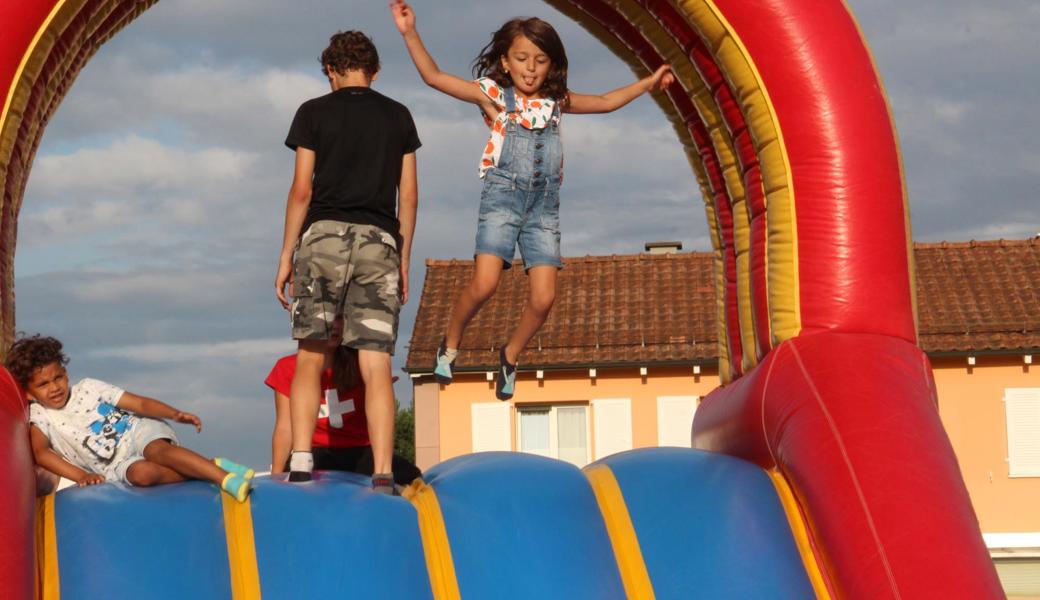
x,y
107,431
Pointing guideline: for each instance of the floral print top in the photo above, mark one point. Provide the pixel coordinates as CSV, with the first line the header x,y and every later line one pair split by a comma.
x,y
535,113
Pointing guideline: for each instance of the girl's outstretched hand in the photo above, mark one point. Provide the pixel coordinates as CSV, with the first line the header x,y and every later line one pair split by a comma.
x,y
404,16
662,78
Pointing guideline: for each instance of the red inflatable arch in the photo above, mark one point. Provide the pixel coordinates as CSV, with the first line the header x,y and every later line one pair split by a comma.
x,y
787,129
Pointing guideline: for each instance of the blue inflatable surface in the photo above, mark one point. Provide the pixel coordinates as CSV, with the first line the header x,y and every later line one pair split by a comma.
x,y
484,526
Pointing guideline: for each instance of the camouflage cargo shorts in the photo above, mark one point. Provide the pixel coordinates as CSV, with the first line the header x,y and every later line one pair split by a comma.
x,y
351,270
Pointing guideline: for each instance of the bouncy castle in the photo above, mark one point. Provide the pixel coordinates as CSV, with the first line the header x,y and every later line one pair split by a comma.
x,y
810,477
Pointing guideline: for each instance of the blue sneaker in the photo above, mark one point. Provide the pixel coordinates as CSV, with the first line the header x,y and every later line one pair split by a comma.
x,y
233,467
506,380
442,368
236,486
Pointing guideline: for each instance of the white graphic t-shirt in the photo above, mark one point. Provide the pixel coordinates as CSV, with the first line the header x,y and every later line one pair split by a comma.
x,y
89,430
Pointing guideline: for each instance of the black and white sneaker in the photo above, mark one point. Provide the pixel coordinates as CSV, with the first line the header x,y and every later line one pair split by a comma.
x,y
383,483
300,466
506,380
443,365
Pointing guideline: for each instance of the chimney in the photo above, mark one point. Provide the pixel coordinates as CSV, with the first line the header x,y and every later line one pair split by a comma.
x,y
663,247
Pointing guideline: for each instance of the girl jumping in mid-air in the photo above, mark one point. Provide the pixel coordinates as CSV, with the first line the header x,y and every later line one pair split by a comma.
x,y
521,88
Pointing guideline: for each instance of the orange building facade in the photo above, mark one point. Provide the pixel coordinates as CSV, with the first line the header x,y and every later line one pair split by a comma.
x,y
626,357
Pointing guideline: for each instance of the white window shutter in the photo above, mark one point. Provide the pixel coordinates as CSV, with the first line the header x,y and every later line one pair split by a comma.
x,y
490,425
612,423
675,420
1022,408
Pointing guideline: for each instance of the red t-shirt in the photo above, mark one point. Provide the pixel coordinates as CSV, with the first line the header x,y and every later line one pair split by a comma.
x,y
341,417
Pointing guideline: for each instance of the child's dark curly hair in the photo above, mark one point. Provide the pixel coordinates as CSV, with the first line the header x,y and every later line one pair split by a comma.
x,y
350,51
31,353
489,64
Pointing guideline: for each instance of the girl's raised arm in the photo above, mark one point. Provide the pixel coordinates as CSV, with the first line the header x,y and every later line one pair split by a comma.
x,y
611,101
467,91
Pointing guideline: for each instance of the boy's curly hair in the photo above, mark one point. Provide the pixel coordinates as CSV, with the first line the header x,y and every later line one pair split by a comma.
x,y
30,353
350,51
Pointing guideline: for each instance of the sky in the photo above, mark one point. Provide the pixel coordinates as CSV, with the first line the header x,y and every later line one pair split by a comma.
x,y
152,222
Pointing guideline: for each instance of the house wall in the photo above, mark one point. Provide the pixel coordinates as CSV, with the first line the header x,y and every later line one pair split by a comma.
x,y
452,404
971,405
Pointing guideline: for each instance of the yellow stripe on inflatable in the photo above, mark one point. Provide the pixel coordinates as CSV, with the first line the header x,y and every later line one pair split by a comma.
x,y
241,547
782,237
48,578
718,262
800,530
623,540
17,89
437,550
711,115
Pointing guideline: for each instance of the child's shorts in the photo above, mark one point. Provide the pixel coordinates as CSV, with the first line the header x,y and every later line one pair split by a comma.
x,y
348,269
144,432
518,211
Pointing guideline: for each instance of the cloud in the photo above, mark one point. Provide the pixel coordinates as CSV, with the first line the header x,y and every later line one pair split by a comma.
x,y
168,354
227,105
172,289
133,165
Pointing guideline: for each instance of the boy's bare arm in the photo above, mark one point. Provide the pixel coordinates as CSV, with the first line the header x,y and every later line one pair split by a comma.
x,y
281,437
47,458
295,214
150,407
407,205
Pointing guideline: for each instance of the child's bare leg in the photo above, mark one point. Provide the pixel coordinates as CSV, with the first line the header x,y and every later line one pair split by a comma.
x,y
144,473
191,465
305,392
486,275
542,282
379,406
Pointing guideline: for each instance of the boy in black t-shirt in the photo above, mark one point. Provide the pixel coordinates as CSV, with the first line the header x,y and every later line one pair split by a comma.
x,y
353,197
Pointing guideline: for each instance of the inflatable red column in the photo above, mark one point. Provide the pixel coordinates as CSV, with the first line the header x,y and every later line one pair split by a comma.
x,y
17,481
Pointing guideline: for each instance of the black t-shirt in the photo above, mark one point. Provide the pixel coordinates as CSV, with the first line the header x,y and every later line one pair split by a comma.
x,y
359,137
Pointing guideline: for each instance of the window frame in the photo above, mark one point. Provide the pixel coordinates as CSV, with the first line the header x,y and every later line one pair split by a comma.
x,y
554,431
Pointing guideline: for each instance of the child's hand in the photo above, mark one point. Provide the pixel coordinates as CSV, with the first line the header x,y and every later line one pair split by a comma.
x,y
402,283
90,479
283,278
189,419
404,16
661,79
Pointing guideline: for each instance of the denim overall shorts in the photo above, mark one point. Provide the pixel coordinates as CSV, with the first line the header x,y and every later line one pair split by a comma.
x,y
520,202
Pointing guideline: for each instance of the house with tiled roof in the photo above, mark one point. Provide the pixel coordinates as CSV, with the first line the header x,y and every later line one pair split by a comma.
x,y
630,348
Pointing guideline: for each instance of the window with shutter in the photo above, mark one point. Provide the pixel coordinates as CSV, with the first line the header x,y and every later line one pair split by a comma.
x,y
1022,408
612,423
490,425
675,420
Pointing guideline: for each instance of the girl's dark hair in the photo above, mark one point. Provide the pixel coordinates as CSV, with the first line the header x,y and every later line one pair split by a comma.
x,y
31,353
489,64
345,371
350,51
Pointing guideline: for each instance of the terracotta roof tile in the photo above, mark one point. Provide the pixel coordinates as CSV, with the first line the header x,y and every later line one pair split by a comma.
x,y
653,309
978,296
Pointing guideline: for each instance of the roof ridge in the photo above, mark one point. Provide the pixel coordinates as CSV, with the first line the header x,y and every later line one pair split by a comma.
x,y
1001,243
589,258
